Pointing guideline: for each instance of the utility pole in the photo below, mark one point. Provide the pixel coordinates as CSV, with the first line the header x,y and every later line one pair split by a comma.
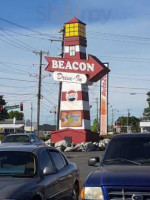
x,y
97,115
128,115
60,83
40,53
55,113
31,116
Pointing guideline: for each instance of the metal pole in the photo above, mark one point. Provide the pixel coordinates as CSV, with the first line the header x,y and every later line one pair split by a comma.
x,y
97,115
112,119
128,120
60,84
39,93
31,117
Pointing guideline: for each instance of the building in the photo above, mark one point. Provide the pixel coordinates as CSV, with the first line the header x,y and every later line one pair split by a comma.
x,y
12,126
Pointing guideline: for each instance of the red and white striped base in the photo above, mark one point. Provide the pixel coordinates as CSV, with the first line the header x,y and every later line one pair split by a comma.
x,y
80,102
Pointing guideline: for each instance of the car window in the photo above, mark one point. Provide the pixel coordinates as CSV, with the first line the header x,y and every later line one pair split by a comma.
x,y
45,160
17,163
58,161
36,138
63,159
136,149
16,138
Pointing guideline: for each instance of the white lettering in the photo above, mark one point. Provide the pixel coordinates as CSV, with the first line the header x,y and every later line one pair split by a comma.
x,y
61,64
90,67
54,64
74,64
82,66
68,65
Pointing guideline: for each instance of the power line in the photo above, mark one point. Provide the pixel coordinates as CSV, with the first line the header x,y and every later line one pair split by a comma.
x,y
19,47
10,86
16,93
23,80
25,44
23,27
119,35
49,100
122,87
137,79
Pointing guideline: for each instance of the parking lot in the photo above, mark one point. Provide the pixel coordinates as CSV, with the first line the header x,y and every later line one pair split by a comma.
x,y
81,159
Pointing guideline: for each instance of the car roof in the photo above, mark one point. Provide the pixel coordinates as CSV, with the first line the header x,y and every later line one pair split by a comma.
x,y
25,147
133,135
16,134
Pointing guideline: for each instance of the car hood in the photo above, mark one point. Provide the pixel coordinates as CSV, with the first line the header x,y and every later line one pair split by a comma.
x,y
10,187
120,175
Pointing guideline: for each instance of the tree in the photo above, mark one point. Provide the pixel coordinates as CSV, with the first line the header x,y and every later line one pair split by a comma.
x,y
94,126
18,115
3,111
146,113
133,121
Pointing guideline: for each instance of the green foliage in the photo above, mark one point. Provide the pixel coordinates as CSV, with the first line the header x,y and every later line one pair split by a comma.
x,y
18,115
94,126
44,138
133,121
1,137
3,113
146,114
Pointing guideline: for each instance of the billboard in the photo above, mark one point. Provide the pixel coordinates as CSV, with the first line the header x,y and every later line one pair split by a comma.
x,y
104,105
71,118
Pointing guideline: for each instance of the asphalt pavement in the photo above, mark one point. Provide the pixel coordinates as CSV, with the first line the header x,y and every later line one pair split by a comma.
x,y
81,159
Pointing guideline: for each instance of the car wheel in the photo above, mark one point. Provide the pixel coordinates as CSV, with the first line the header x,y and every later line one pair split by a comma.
x,y
75,192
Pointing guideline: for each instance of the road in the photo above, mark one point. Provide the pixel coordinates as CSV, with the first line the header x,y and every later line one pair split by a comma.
x,y
81,159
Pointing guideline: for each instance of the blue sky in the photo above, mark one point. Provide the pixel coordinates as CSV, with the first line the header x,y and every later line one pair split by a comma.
x,y
117,32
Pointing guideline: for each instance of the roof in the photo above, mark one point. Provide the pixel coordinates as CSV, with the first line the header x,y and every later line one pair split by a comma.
x,y
75,20
47,127
21,134
126,135
10,121
26,148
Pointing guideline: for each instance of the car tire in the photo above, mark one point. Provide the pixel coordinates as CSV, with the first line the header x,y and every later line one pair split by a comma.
x,y
75,192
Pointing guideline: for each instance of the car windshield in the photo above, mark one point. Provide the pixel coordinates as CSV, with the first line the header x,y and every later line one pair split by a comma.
x,y
129,150
14,163
16,138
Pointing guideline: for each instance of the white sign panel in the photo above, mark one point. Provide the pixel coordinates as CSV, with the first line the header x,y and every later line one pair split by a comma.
x,y
69,77
104,105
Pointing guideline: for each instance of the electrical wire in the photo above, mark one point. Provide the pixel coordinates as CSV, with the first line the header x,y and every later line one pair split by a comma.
x,y
23,43
24,27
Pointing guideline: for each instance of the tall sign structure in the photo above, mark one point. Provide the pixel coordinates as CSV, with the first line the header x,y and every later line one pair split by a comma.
x,y
104,105
76,72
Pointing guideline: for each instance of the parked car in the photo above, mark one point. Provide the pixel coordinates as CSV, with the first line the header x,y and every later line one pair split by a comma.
x,y
124,171
29,172
22,138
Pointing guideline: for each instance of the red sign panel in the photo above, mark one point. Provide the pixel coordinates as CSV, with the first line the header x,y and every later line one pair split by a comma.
x,y
92,67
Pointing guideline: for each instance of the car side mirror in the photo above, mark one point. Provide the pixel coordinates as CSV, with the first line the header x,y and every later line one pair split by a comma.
x,y
93,161
32,140
49,170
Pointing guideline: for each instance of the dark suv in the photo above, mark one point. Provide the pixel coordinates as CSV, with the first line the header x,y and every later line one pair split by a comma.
x,y
124,171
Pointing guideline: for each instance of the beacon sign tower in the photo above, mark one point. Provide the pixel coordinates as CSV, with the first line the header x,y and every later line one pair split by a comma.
x,y
76,71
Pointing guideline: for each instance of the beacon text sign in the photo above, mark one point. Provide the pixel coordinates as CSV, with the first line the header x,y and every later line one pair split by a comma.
x,y
91,67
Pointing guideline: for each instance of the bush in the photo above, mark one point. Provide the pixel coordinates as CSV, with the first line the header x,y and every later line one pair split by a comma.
x,y
44,138
107,136
1,137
